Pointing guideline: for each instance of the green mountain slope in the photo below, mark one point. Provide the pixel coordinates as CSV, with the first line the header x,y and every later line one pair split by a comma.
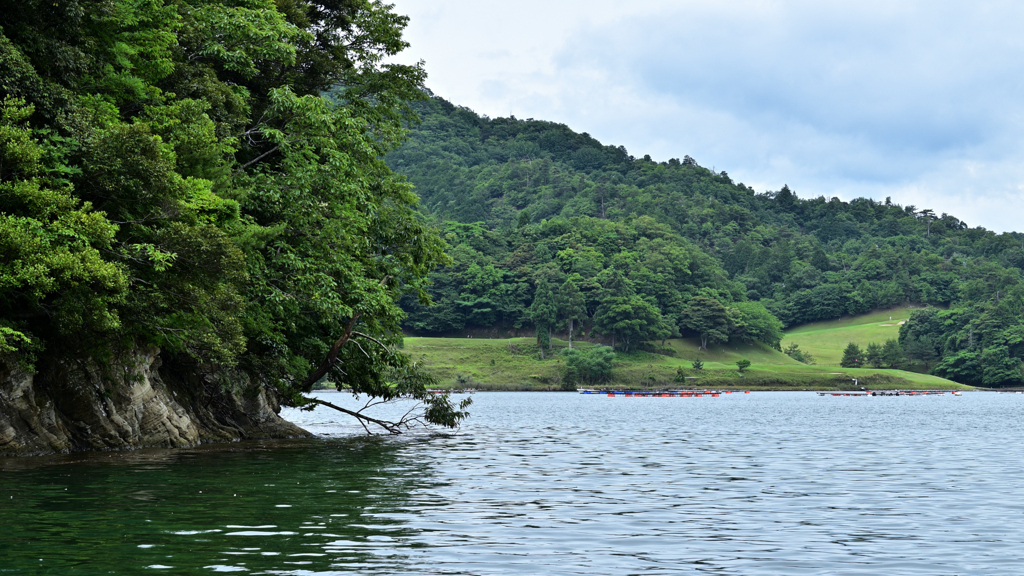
x,y
526,204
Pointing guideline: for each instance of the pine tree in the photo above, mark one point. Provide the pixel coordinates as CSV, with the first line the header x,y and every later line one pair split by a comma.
x,y
544,313
873,355
892,354
853,357
572,304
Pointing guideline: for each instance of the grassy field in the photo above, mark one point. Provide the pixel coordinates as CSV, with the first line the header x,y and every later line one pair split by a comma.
x,y
826,340
515,364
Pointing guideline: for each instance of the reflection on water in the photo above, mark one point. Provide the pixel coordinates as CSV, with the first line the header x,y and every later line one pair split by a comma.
x,y
782,483
244,507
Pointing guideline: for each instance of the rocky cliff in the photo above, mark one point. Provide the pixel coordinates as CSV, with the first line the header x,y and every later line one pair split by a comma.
x,y
136,401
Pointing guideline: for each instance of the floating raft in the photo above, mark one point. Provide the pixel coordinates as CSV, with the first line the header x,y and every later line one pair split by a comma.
x,y
890,393
658,393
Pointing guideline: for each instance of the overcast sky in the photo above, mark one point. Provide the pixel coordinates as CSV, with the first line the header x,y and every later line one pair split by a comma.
x,y
920,101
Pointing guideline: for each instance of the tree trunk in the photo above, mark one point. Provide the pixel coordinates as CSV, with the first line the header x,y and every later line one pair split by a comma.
x,y
332,355
570,333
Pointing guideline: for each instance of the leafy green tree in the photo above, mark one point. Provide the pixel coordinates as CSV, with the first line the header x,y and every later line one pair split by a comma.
x,y
615,284
853,356
921,351
629,320
698,364
965,367
785,198
742,365
588,366
179,164
756,323
54,279
708,318
572,304
922,336
1000,368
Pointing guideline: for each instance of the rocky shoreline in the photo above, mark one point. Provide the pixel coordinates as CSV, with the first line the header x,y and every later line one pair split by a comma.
x,y
137,402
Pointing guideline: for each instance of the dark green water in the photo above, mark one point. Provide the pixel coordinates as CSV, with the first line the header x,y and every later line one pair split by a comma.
x,y
276,505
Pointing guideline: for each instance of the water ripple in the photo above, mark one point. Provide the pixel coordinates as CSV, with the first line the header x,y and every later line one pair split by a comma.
x,y
782,483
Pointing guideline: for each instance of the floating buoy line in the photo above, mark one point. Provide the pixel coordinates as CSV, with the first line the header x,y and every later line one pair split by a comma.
x,y
658,393
892,393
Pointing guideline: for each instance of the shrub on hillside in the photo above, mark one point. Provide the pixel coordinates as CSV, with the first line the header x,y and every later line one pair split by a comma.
x,y
589,366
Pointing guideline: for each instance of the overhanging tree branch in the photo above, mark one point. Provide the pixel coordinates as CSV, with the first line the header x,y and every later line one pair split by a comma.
x,y
391,427
332,354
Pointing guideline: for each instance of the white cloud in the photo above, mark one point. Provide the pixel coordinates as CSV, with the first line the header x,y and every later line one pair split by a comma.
x,y
920,101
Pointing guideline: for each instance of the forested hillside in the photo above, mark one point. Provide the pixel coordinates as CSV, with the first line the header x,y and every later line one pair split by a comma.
x,y
206,178
551,228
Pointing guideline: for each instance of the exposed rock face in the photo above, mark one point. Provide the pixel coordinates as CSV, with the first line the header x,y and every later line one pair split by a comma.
x,y
138,403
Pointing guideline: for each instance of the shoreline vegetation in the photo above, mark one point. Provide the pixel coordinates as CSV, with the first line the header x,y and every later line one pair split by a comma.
x,y
514,364
196,220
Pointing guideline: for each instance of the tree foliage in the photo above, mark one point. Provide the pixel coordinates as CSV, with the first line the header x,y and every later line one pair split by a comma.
x,y
175,173
572,304
709,318
794,352
853,356
588,366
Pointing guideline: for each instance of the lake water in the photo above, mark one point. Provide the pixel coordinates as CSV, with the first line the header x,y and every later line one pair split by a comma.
x,y
547,483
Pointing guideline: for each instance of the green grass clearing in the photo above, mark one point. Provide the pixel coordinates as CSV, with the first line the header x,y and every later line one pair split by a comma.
x,y
826,340
491,364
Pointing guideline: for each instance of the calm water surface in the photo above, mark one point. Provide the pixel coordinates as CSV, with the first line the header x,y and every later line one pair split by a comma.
x,y
771,483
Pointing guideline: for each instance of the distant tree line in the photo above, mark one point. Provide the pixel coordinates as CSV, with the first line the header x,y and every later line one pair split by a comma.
x,y
632,281
887,355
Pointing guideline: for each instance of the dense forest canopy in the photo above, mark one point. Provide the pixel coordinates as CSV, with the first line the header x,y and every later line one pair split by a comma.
x,y
207,177
663,248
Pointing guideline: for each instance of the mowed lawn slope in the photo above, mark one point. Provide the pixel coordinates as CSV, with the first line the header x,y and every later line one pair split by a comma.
x,y
515,364
827,340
